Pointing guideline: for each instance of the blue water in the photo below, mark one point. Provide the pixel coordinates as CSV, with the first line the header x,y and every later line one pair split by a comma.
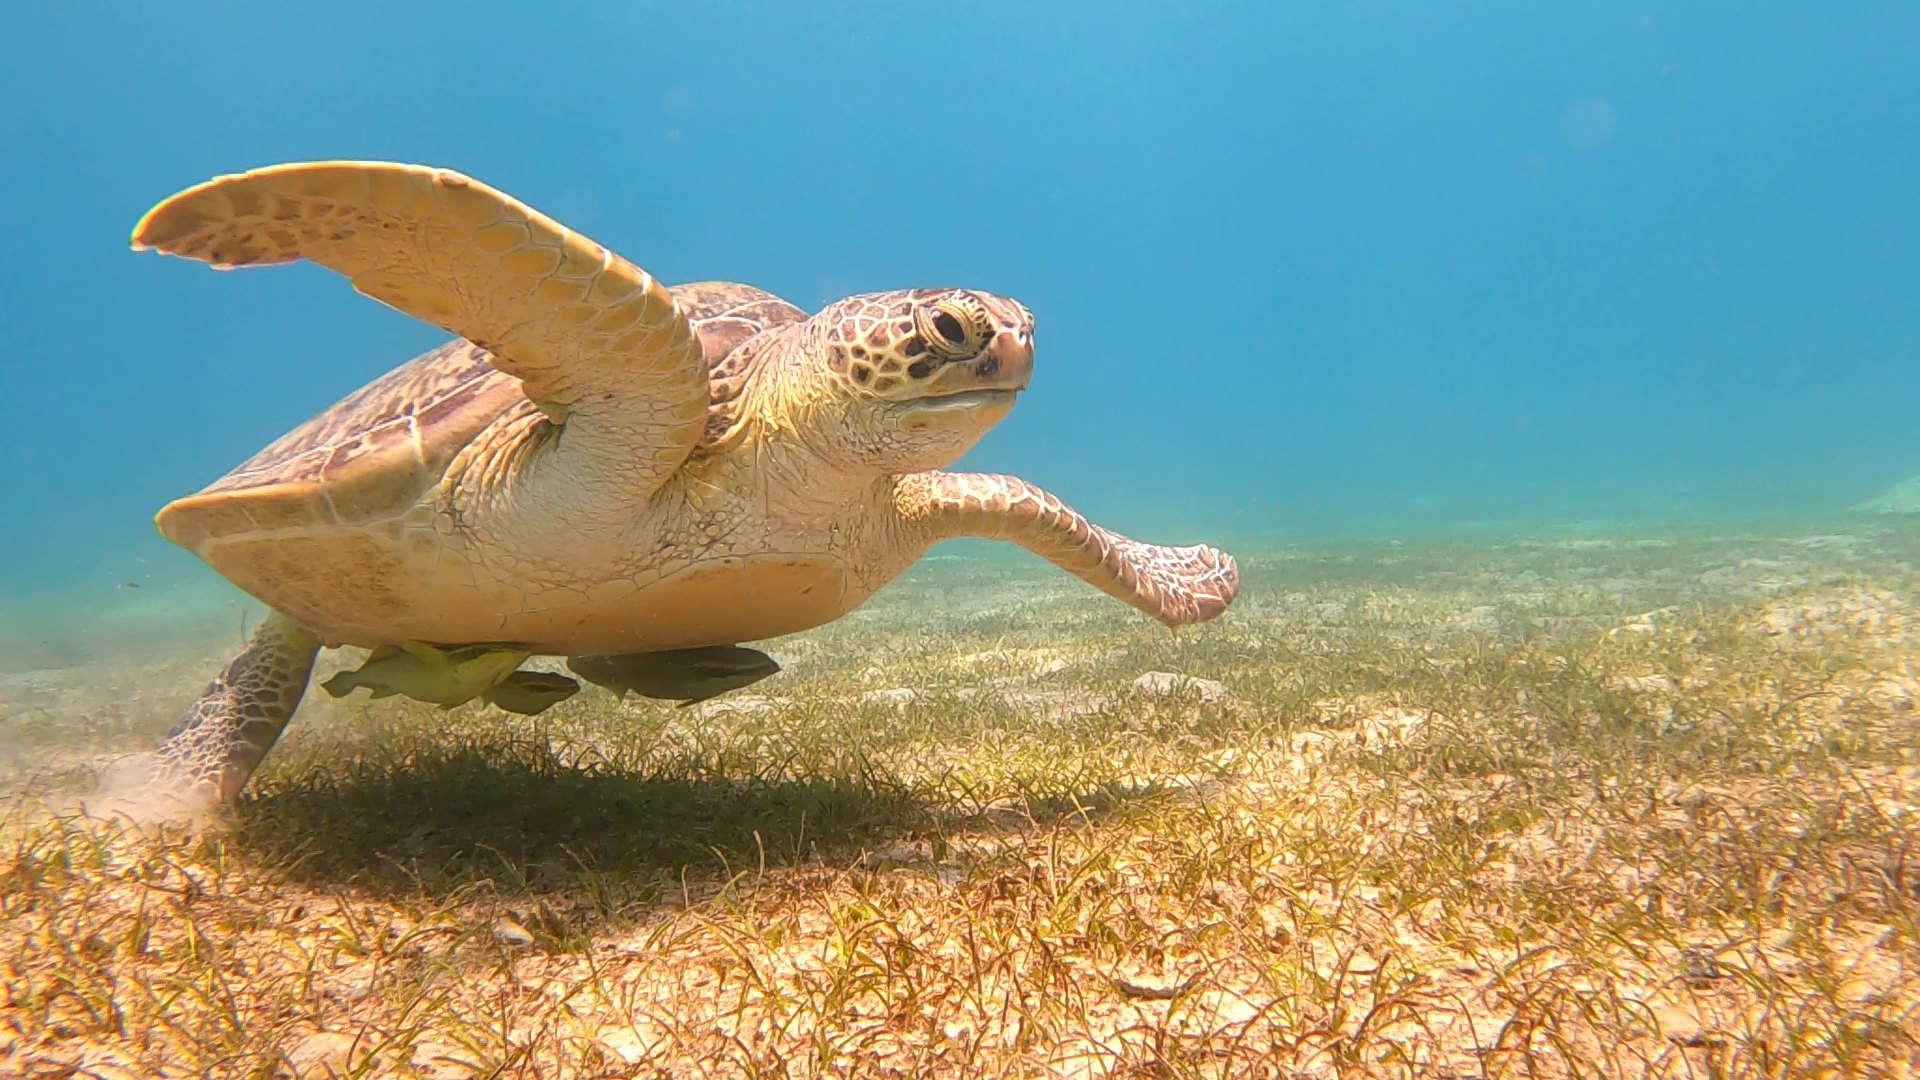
x,y
1299,269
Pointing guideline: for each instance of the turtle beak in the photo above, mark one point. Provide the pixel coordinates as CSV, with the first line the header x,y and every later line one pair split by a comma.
x,y
1007,363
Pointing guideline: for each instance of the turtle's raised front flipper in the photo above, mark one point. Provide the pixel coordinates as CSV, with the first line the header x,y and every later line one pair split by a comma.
x,y
1176,585
597,342
221,739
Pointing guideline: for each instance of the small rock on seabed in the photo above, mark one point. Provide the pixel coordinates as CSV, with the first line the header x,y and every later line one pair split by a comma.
x,y
508,932
1168,682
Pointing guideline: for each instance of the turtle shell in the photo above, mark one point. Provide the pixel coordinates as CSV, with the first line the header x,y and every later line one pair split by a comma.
x,y
371,456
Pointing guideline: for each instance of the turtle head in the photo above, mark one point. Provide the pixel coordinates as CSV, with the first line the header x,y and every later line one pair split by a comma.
x,y
918,377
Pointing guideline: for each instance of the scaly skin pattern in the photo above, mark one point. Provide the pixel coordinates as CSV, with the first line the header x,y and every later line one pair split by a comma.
x,y
604,466
1176,585
218,742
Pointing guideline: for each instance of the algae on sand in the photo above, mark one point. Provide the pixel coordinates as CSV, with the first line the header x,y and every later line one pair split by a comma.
x,y
1574,805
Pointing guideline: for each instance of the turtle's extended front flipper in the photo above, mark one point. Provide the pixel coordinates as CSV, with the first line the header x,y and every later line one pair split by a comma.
x,y
219,741
1176,585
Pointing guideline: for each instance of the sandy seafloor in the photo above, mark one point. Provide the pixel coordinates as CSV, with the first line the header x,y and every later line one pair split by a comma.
x,y
1585,801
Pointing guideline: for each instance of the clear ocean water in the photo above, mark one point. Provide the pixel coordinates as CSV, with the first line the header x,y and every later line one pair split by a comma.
x,y
1300,270
1545,363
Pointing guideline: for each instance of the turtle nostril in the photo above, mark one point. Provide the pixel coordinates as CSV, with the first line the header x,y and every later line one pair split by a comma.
x,y
1009,351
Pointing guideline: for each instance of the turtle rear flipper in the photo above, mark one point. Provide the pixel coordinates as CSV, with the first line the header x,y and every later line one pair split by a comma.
x,y
221,738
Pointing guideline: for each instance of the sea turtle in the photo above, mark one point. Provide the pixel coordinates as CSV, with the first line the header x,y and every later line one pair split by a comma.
x,y
601,465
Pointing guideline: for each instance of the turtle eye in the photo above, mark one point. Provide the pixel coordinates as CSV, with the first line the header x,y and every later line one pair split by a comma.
x,y
952,330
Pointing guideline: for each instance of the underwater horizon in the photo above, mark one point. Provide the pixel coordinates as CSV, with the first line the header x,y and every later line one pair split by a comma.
x,y
1299,272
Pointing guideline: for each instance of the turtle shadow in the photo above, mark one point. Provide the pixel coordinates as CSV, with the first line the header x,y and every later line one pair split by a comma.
x,y
442,822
